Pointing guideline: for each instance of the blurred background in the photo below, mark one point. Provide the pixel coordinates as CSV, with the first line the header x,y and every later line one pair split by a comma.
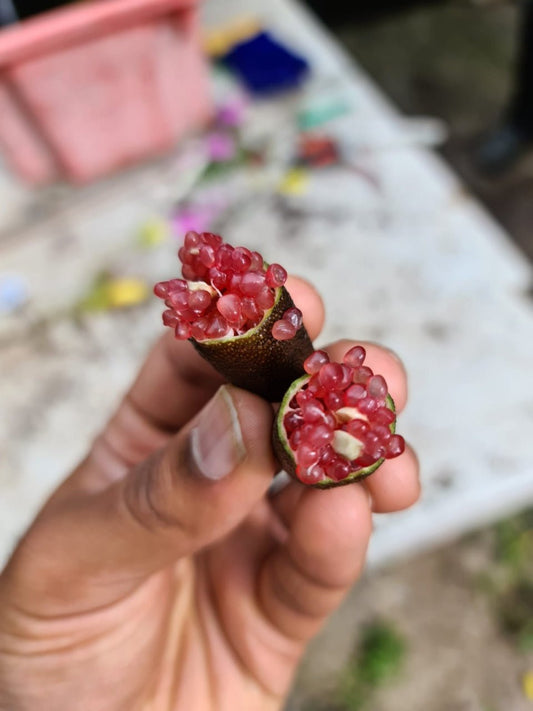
x,y
382,150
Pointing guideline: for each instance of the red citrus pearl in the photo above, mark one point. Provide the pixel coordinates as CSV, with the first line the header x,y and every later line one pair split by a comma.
x,y
354,394
217,327
161,289
362,374
230,308
307,455
257,261
367,405
185,256
192,240
315,361
318,435
395,446
188,272
334,400
339,469
276,276
382,432
199,327
241,259
382,416
295,439
332,376
292,420
252,283
218,278
265,299
250,309
282,330
357,428
170,318
293,316
355,356
311,475
312,411
207,255
377,387
183,331
199,301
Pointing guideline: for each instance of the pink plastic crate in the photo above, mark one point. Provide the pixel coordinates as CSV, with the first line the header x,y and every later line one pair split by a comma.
x,y
87,89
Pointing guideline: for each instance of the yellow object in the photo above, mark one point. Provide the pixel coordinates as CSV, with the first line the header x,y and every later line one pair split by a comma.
x,y
220,40
127,291
295,182
152,233
527,685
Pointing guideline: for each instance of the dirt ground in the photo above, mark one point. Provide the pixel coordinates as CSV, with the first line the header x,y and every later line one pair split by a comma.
x,y
450,608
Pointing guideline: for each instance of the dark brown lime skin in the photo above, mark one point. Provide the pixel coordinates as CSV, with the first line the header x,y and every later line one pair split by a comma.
x,y
286,458
256,361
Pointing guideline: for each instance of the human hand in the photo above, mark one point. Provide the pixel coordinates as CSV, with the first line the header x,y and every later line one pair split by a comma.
x,y
160,576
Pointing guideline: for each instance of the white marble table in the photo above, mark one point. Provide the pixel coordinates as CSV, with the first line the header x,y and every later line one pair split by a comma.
x,y
409,259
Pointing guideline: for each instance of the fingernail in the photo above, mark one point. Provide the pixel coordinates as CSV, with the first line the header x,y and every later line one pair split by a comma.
x,y
217,446
279,483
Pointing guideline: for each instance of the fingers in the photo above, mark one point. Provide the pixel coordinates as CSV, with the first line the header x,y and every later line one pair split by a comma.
x,y
305,579
395,485
308,300
286,501
180,500
173,384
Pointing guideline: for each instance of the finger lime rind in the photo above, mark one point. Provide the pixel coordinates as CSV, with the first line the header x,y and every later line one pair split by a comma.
x,y
255,360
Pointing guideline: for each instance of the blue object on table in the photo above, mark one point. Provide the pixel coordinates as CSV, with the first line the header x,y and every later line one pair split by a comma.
x,y
13,293
265,66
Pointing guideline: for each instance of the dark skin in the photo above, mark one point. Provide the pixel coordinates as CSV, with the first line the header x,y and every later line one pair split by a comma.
x,y
143,586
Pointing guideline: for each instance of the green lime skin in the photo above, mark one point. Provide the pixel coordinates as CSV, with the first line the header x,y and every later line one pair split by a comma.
x,y
256,361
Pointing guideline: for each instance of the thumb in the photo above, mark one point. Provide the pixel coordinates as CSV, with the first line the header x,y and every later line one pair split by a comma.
x,y
181,499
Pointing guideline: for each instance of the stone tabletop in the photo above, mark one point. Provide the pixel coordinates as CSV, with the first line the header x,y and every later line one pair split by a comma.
x,y
400,251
